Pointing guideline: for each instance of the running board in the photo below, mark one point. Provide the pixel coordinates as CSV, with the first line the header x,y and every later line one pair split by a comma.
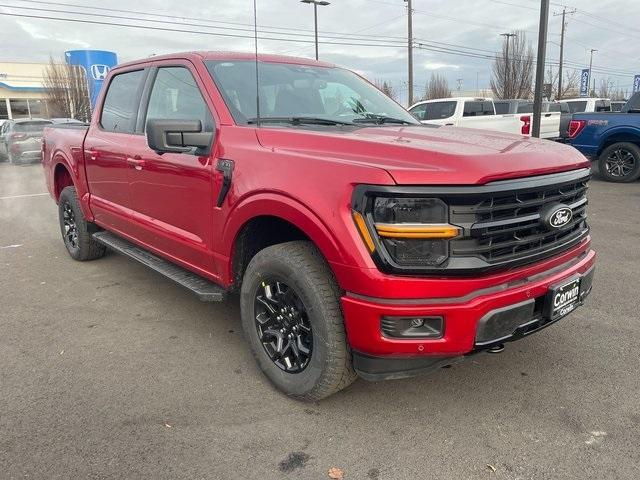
x,y
204,289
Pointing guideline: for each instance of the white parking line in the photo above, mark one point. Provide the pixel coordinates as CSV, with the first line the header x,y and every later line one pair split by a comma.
x,y
24,196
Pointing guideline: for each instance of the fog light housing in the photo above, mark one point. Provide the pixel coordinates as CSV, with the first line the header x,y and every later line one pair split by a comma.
x,y
412,327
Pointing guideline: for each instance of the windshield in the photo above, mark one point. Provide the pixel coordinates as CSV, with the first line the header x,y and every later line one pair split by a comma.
x,y
300,91
577,107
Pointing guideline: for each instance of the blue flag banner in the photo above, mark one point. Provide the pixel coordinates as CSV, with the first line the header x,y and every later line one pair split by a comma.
x,y
96,64
584,83
636,84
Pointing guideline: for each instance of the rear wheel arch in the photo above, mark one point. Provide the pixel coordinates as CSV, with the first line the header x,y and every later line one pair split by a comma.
x,y
61,178
618,137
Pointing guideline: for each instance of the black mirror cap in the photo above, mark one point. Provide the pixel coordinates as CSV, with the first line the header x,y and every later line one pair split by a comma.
x,y
178,136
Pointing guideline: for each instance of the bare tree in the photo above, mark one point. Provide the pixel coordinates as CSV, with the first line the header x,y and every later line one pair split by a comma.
x,y
606,90
570,84
66,91
386,88
512,69
436,87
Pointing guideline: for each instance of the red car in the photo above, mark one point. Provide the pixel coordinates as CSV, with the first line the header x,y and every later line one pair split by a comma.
x,y
360,241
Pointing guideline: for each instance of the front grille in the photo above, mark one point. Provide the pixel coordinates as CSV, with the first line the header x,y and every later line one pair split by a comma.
x,y
505,227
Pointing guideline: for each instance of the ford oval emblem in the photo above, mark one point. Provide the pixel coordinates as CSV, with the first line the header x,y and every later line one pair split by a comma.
x,y
558,217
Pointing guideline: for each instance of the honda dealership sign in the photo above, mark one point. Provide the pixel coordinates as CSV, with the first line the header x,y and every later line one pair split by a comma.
x,y
584,83
96,64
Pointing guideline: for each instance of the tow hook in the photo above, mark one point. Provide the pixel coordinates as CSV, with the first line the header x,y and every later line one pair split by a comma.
x,y
496,348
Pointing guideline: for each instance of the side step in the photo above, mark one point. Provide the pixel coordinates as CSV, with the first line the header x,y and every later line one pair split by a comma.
x,y
204,289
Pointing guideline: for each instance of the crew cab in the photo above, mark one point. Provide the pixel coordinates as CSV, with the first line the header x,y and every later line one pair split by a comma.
x,y
612,139
471,113
361,242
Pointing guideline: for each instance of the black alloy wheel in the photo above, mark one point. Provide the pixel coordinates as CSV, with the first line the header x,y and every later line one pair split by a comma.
x,y
70,228
283,326
620,162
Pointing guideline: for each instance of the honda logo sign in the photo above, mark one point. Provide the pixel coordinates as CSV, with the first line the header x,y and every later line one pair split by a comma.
x,y
99,71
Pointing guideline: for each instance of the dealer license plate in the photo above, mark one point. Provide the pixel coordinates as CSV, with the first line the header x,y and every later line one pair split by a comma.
x,y
564,298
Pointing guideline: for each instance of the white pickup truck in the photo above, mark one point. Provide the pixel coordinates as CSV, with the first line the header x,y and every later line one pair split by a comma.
x,y
469,112
550,118
585,104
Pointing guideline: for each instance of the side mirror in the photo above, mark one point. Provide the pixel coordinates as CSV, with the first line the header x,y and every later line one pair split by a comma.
x,y
178,136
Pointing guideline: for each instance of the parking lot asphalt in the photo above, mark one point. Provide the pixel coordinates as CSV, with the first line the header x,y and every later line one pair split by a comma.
x,y
107,370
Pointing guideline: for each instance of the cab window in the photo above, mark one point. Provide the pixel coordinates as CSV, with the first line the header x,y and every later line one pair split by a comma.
x,y
121,102
176,96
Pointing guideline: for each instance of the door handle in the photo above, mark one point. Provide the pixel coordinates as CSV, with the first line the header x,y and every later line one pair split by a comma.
x,y
135,162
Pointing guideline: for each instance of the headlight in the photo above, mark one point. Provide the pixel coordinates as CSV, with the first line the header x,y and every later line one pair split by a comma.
x,y
412,231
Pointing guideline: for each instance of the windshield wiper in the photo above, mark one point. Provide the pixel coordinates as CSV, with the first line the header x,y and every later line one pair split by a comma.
x,y
299,121
380,119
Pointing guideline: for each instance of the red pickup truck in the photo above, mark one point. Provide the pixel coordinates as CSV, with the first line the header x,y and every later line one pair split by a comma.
x,y
360,241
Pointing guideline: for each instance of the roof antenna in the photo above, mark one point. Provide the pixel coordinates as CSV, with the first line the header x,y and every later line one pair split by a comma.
x,y
255,40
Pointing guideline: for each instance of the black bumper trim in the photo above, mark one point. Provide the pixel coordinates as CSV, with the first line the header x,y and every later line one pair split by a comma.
x,y
374,369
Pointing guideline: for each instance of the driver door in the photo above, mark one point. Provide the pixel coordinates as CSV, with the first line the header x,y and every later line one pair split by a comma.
x,y
172,193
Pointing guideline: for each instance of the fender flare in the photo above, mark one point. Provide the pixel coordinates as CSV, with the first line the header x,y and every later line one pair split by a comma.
x,y
617,130
286,208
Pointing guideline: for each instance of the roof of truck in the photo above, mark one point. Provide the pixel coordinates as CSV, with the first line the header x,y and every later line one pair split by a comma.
x,y
237,56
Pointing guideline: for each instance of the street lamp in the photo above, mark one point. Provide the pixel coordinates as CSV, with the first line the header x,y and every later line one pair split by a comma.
x,y
315,3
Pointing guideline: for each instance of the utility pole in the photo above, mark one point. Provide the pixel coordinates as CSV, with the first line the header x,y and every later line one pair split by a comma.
x,y
506,93
590,66
564,12
542,51
315,3
410,48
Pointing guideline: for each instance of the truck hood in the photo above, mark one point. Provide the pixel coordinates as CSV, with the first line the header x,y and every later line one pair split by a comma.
x,y
420,155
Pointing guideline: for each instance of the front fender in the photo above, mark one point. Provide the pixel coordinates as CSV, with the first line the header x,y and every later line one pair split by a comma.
x,y
286,208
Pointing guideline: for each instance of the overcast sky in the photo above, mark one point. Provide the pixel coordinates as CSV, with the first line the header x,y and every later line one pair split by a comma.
x,y
474,26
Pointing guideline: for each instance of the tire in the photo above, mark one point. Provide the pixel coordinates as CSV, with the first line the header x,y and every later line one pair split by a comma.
x,y
299,270
620,162
76,231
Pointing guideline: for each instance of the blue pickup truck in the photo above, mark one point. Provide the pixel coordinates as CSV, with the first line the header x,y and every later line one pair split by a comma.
x,y
612,139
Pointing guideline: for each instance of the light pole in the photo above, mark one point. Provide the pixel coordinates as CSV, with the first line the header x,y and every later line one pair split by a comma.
x,y
410,49
315,3
591,65
505,93
542,53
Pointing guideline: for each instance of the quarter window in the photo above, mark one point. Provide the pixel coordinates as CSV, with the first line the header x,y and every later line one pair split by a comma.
x,y
121,102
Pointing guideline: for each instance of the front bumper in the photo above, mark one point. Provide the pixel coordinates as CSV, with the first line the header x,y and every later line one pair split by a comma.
x,y
474,322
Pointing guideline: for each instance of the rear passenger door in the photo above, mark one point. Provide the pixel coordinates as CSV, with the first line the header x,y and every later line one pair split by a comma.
x,y
172,193
107,147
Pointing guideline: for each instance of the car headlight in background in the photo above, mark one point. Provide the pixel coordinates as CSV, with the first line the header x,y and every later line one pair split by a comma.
x,y
412,231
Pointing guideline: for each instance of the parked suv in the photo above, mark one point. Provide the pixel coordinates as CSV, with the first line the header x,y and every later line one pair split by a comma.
x,y
360,241
20,139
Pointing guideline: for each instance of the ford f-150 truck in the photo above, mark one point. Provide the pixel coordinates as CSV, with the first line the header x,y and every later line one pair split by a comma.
x,y
360,241
612,139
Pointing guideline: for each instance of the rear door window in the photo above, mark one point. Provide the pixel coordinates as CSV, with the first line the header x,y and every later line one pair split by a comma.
x,y
603,106
502,108
577,107
121,102
478,109
525,107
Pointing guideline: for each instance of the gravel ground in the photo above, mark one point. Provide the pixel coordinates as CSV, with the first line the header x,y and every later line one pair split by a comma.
x,y
110,371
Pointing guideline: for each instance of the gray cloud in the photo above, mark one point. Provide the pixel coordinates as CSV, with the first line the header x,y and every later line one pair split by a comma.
x,y
469,23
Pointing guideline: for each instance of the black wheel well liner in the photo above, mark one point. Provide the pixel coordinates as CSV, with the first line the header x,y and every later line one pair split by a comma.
x,y
618,138
258,233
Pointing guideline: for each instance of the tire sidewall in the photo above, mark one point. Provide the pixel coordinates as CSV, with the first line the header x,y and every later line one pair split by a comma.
x,y
295,384
629,147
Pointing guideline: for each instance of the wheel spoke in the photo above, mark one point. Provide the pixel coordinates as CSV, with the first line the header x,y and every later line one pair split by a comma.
x,y
283,326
